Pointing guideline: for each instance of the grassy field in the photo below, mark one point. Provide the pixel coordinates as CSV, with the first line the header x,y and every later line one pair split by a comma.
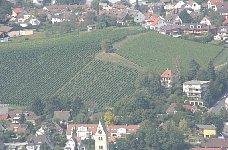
x,y
157,52
43,67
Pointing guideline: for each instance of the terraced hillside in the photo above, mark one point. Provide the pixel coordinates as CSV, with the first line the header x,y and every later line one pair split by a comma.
x,y
45,68
157,52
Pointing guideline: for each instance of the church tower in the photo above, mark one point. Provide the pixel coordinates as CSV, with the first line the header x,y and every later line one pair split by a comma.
x,y
101,138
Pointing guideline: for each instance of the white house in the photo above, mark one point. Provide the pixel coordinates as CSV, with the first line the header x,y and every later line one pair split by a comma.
x,y
70,144
206,21
195,90
37,2
179,4
212,4
139,17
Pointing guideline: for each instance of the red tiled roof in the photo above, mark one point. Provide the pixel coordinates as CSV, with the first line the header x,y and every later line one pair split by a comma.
x,y
226,21
4,116
187,107
91,127
213,2
1,33
18,10
153,20
216,143
167,74
5,28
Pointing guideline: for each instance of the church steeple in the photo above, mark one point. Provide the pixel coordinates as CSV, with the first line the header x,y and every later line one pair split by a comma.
x,y
100,137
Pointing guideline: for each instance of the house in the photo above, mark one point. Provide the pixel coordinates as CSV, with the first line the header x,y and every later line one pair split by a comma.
x,y
38,140
179,5
193,5
167,77
120,131
222,9
198,29
4,111
37,2
171,109
16,11
99,133
17,128
170,29
4,33
194,90
122,19
206,130
104,6
71,144
225,23
222,33
206,21
173,19
91,27
138,17
15,146
216,143
212,4
62,116
173,106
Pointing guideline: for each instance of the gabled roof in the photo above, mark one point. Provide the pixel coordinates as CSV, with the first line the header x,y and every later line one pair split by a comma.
x,y
167,74
62,115
18,10
225,22
214,2
91,127
5,28
216,143
172,108
154,20
208,127
4,116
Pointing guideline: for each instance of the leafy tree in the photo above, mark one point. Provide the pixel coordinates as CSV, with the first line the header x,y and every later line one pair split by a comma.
x,y
106,46
37,106
211,71
109,118
5,8
185,17
95,5
216,18
202,75
183,124
22,119
194,68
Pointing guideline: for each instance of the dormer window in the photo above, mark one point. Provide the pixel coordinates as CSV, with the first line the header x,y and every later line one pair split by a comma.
x,y
199,26
191,26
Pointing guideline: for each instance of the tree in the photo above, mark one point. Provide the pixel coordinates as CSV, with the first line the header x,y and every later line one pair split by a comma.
x,y
185,17
183,124
211,71
95,5
202,75
5,8
37,106
109,118
22,119
194,68
106,46
216,18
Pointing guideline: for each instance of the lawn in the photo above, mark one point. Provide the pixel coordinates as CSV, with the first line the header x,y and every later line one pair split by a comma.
x,y
157,52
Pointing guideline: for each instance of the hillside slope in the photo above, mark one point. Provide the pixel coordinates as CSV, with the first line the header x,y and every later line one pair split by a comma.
x,y
157,52
42,68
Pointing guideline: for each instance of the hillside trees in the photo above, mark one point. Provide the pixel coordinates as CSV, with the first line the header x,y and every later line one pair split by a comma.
x,y
5,8
193,69
106,46
185,17
37,106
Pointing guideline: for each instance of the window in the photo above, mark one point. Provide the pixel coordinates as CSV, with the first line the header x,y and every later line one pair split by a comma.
x,y
100,138
100,147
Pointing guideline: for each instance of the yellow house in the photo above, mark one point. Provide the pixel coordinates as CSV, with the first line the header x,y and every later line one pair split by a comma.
x,y
206,130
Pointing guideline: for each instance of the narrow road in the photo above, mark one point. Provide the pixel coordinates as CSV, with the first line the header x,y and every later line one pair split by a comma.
x,y
219,105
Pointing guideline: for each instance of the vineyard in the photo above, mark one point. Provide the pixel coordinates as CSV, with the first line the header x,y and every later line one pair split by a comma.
x,y
100,82
45,68
157,52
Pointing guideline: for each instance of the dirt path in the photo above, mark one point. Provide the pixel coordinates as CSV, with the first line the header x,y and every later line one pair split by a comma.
x,y
117,59
221,65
